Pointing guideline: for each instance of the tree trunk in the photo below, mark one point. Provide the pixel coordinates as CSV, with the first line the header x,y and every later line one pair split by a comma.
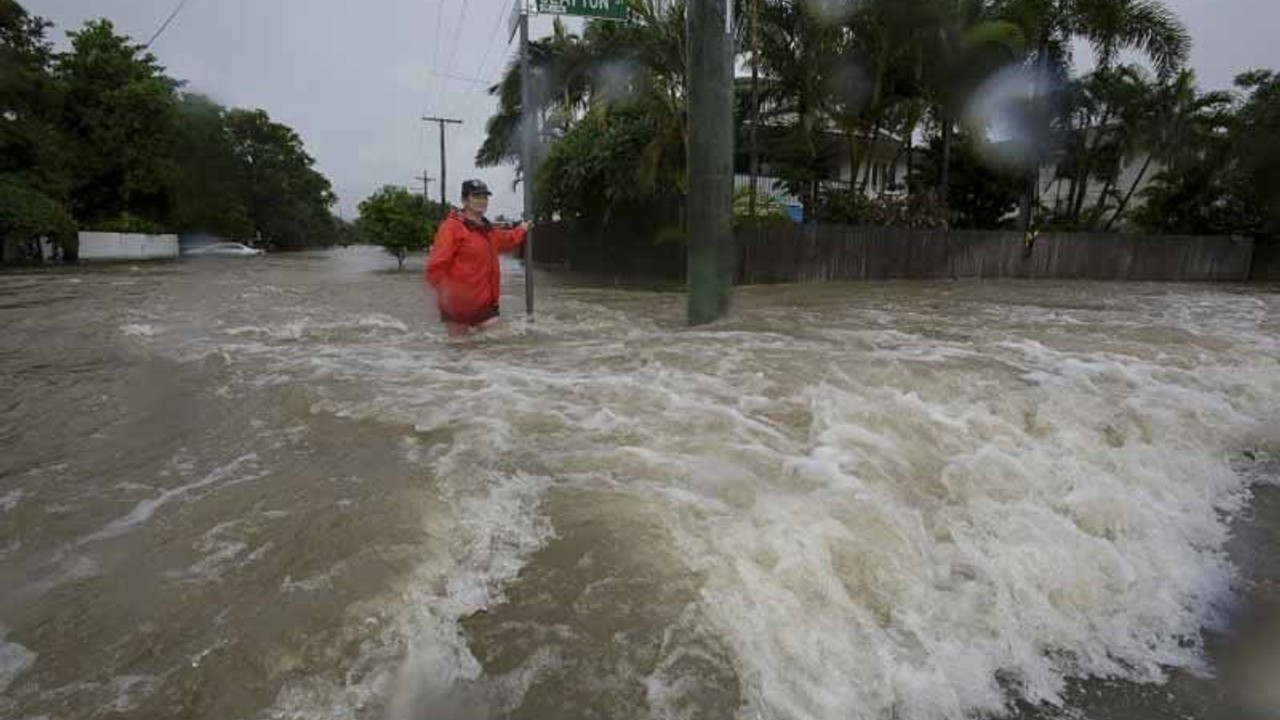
x,y
852,135
1031,183
1073,186
871,145
944,183
911,141
1100,208
1129,195
1084,166
877,100
1034,157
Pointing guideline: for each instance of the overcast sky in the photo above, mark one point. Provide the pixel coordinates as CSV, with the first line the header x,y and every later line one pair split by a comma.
x,y
354,80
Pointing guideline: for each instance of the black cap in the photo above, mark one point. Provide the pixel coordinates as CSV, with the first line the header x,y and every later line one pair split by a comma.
x,y
474,187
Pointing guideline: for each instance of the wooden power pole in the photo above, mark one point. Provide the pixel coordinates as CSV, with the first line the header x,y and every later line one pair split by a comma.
x,y
444,178
712,255
426,193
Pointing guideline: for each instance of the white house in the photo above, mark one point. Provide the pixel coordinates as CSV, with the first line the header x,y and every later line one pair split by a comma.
x,y
887,162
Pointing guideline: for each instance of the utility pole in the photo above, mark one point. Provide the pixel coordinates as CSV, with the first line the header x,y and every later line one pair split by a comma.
x,y
528,140
426,183
444,178
755,112
712,255
426,190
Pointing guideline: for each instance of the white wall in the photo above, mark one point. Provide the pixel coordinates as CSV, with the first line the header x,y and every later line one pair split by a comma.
x,y
885,173
1053,191
126,246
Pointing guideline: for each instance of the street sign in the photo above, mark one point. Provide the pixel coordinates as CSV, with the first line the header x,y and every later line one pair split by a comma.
x,y
599,9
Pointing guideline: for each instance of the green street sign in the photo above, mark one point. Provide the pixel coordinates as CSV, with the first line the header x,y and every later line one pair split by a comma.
x,y
600,9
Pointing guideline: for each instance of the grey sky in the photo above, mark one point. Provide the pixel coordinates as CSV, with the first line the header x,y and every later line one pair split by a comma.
x,y
353,80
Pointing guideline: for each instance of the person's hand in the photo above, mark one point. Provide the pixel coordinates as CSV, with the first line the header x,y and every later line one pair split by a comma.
x,y
526,225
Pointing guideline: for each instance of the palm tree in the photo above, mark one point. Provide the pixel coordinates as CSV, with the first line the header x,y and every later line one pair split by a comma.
x,y
799,54
654,52
1109,26
560,66
969,44
1180,123
1104,110
639,67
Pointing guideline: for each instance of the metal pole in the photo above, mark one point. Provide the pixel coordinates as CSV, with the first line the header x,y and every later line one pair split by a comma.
x,y
755,110
711,244
528,136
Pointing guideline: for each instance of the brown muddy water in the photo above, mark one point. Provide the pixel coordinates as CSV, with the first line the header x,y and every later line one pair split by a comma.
x,y
273,488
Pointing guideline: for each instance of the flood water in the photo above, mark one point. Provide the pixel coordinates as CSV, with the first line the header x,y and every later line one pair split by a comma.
x,y
273,488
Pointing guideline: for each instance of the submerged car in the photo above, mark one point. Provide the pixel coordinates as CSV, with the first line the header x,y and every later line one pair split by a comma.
x,y
226,249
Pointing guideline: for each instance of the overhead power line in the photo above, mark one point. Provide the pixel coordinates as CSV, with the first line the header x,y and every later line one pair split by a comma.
x,y
493,36
435,44
165,24
432,89
460,78
457,36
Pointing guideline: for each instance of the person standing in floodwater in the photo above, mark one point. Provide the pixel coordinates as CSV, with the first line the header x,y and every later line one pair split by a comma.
x,y
463,263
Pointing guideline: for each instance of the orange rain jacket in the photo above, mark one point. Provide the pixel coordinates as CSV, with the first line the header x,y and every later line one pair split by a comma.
x,y
463,267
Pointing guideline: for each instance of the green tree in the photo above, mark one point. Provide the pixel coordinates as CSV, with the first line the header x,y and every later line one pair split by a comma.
x,y
1100,128
26,216
207,188
981,194
560,68
31,146
1256,146
596,165
971,44
103,130
286,199
1223,178
120,114
800,58
399,221
1180,122
639,66
614,104
1148,27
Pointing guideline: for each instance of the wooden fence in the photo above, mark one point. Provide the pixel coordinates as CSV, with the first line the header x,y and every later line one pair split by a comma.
x,y
822,253
1266,262
785,253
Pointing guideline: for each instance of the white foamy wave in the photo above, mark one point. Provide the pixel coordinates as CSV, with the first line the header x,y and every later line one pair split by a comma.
x,y
14,660
128,690
892,511
138,330
939,549
476,547
232,473
225,549
10,500
946,540
353,328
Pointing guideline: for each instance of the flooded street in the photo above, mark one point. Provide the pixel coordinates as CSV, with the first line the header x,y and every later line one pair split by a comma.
x,y
273,488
